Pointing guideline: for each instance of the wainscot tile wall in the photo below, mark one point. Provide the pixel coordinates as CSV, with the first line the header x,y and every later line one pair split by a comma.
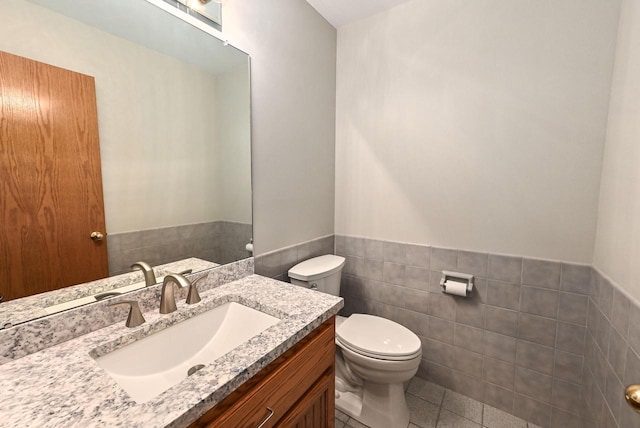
x,y
219,242
549,342
611,356
277,263
517,344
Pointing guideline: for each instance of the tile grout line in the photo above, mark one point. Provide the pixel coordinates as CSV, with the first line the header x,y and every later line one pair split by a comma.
x,y
440,408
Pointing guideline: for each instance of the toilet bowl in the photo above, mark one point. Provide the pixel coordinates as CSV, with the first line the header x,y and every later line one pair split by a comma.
x,y
374,355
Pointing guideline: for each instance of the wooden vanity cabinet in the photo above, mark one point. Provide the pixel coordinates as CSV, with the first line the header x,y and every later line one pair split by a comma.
x,y
296,390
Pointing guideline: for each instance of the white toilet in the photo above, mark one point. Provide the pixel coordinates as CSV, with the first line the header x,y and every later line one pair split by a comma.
x,y
374,356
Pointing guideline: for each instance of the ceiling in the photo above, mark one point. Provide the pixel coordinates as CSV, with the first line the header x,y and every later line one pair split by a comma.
x,y
343,12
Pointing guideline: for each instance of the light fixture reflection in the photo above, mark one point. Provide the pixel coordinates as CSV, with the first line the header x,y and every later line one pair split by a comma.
x,y
198,5
23,104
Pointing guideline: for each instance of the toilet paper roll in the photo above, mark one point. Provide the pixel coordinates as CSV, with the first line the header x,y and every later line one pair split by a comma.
x,y
456,288
249,247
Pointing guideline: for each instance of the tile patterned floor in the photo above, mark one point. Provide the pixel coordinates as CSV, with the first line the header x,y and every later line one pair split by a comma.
x,y
432,406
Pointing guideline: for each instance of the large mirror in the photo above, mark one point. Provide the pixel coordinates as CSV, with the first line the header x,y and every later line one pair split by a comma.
x,y
173,135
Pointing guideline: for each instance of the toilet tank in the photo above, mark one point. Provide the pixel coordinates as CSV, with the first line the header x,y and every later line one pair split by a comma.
x,y
322,273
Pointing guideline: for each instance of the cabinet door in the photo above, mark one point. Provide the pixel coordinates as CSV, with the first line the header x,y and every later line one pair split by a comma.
x,y
269,396
316,408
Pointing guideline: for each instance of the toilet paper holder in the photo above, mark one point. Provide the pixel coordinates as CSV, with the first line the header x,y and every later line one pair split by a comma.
x,y
458,278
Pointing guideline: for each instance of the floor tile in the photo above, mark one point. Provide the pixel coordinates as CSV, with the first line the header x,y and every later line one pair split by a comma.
x,y
432,406
451,420
342,417
352,423
463,406
426,390
494,418
422,413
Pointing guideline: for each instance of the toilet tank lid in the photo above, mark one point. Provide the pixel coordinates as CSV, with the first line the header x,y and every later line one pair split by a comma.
x,y
317,267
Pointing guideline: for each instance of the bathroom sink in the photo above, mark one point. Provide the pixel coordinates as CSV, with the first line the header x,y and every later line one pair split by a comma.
x,y
150,366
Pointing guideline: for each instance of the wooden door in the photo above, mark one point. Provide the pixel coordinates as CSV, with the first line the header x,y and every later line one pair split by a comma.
x,y
50,179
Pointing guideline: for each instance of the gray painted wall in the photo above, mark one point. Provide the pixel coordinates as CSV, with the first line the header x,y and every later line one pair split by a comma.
x,y
293,57
617,247
475,124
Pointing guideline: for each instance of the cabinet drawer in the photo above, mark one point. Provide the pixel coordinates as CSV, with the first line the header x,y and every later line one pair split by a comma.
x,y
278,386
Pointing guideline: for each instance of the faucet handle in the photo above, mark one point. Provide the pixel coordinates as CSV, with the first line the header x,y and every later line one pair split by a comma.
x,y
135,317
193,296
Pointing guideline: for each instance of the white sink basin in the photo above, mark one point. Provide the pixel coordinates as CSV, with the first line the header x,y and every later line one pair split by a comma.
x,y
152,365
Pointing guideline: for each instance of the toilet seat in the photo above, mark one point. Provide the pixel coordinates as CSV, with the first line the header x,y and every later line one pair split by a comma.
x,y
378,338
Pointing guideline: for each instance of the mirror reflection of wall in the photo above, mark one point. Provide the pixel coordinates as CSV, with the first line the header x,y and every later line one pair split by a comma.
x,y
173,118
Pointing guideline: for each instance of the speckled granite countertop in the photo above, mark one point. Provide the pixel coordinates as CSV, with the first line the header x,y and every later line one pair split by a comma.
x,y
63,385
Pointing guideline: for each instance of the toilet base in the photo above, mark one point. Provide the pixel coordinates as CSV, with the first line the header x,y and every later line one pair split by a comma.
x,y
376,405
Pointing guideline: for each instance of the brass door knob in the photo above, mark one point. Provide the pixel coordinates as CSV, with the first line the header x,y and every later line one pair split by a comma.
x,y
632,394
96,236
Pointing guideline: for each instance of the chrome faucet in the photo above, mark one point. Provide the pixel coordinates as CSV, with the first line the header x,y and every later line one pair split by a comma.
x,y
167,296
149,276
